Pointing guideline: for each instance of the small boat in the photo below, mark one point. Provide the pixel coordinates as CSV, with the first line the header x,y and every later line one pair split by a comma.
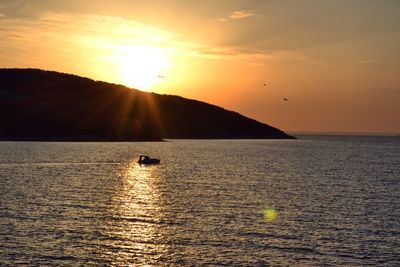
x,y
147,160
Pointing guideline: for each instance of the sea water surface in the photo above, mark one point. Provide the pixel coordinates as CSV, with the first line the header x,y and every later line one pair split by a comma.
x,y
336,201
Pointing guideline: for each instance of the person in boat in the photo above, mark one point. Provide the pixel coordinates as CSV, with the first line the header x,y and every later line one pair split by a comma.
x,y
143,158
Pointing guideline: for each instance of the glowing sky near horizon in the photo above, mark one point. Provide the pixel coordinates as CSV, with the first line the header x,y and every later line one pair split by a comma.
x,y
337,62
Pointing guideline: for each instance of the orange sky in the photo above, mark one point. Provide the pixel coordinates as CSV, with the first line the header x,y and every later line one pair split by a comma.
x,y
337,62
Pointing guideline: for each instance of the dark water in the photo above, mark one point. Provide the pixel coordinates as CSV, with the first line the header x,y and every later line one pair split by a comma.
x,y
337,201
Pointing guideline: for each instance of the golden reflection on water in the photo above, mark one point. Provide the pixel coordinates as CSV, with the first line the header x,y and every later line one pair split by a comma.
x,y
138,212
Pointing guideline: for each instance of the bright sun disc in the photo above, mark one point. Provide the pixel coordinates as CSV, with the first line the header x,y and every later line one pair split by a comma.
x,y
142,66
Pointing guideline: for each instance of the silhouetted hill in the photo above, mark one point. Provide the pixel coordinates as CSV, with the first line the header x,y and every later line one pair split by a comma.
x,y
47,105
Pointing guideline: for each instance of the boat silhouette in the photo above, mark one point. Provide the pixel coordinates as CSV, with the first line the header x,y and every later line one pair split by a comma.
x,y
145,160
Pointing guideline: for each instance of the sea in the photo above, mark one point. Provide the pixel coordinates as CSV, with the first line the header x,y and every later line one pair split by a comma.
x,y
314,201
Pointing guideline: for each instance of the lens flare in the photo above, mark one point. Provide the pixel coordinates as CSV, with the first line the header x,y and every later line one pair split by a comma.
x,y
270,214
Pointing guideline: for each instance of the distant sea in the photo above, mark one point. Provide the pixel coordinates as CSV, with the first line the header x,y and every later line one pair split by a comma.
x,y
315,201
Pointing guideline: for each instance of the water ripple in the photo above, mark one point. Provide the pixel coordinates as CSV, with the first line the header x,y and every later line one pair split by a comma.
x,y
337,203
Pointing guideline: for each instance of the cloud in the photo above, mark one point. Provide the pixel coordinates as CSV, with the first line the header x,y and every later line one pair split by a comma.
x,y
365,61
239,14
212,52
65,37
18,8
327,33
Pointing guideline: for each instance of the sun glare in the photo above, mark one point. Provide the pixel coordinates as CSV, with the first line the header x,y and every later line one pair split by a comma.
x,y
142,67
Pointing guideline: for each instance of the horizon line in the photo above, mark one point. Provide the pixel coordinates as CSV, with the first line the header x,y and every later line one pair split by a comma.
x,y
350,133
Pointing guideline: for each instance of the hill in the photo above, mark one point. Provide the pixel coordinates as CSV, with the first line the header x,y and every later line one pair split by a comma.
x,y
47,105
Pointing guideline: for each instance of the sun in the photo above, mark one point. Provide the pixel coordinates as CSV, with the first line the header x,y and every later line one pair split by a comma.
x,y
142,67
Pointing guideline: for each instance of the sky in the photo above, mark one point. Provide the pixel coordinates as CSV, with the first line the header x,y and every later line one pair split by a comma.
x,y
337,63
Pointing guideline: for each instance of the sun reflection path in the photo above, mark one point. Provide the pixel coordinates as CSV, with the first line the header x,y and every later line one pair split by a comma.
x,y
139,216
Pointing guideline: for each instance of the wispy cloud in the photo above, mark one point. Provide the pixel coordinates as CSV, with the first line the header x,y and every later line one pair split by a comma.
x,y
239,14
365,61
18,8
213,52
